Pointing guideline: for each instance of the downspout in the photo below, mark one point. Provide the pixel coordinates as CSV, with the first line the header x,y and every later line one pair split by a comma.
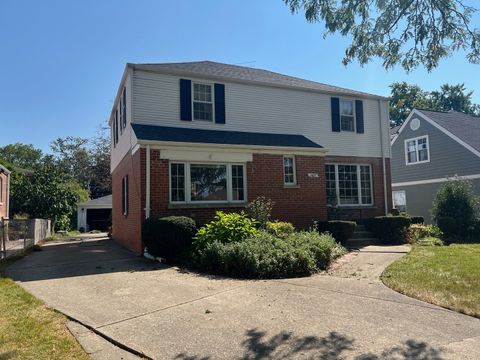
x,y
147,184
8,195
383,160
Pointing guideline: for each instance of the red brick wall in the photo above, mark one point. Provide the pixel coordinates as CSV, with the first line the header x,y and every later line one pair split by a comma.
x,y
378,207
4,197
300,205
127,229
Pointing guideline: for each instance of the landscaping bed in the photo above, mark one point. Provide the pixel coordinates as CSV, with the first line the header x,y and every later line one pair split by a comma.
x,y
448,276
30,330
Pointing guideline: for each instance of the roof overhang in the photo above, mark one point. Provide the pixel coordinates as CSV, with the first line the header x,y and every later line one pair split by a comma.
x,y
4,170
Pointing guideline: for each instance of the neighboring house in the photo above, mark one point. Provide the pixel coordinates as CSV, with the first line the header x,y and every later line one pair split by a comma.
x,y
193,138
95,214
4,192
430,147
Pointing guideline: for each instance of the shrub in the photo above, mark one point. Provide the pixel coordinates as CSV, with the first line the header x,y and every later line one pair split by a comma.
x,y
340,230
267,256
422,231
431,241
456,199
226,228
448,225
260,209
417,220
281,229
389,228
169,236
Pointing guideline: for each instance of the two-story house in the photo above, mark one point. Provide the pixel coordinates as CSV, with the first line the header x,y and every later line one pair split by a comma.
x,y
4,192
429,148
192,138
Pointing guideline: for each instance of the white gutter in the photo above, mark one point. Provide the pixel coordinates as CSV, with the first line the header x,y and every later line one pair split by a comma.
x,y
147,184
383,160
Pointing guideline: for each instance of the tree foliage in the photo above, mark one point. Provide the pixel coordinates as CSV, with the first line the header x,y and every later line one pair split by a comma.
x,y
21,155
405,32
405,97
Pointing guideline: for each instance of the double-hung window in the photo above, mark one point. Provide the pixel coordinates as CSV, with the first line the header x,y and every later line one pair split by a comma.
x,y
202,102
417,150
289,177
207,182
347,117
348,184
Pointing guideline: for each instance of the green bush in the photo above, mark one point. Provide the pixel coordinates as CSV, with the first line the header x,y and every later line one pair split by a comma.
x,y
267,256
448,225
456,199
226,228
422,231
389,229
430,241
169,236
260,209
281,229
340,230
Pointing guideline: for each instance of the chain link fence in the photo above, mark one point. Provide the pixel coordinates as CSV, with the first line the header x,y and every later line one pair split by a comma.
x,y
18,235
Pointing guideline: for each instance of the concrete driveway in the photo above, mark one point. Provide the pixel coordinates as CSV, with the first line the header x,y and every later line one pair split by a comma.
x,y
166,313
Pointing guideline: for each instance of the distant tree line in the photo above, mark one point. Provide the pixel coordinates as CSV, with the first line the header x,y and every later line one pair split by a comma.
x,y
406,97
50,185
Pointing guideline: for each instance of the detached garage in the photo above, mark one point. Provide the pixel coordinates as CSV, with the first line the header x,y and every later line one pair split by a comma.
x,y
95,214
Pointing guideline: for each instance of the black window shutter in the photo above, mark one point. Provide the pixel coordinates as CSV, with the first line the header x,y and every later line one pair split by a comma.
x,y
335,114
185,100
359,116
220,103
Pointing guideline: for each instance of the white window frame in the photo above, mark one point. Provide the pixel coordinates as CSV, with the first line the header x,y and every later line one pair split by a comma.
x,y
359,184
188,183
416,150
294,170
212,87
354,115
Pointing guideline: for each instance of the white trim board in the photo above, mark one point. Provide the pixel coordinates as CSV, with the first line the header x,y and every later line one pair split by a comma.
x,y
442,129
435,181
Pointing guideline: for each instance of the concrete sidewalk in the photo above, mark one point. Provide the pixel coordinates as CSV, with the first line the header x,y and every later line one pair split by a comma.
x,y
166,313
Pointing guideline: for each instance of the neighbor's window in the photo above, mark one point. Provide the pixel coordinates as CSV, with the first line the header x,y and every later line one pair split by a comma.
x,y
1,190
416,150
125,195
289,170
196,183
348,184
347,119
202,102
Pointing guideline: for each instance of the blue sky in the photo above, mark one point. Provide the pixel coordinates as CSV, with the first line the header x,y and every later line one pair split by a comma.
x,y
61,61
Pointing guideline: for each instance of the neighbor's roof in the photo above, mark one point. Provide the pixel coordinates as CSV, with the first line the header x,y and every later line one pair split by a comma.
x,y
243,73
465,127
105,201
202,136
4,169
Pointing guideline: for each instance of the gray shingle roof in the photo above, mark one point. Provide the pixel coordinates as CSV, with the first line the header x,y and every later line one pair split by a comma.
x,y
242,73
101,201
202,136
465,127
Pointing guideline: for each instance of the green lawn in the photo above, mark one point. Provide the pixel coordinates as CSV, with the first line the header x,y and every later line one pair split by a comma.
x,y
30,330
447,276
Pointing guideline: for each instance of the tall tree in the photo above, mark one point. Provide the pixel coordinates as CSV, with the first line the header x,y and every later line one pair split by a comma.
x,y
21,155
73,158
101,180
453,97
405,32
403,99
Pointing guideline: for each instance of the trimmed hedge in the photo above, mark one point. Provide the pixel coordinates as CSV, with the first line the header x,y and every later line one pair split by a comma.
x,y
448,225
267,256
417,220
281,229
167,237
340,230
389,229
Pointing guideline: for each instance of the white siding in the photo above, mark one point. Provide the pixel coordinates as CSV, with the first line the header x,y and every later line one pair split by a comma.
x,y
127,139
263,109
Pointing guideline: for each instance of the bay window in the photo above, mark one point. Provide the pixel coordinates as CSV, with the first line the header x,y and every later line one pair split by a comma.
x,y
348,184
209,182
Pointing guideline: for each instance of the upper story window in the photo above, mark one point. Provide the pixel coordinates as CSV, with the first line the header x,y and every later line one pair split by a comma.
x,y
417,150
289,177
347,117
202,102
